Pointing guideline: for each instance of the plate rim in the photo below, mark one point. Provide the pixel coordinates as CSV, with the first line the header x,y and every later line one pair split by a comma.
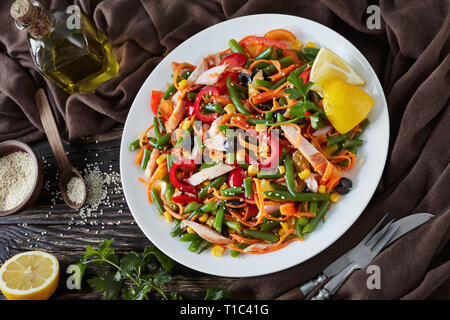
x,y
383,101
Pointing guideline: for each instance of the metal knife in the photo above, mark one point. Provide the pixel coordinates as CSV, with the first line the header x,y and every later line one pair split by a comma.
x,y
405,225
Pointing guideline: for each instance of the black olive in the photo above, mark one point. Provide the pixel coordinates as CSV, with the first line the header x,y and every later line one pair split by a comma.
x,y
225,232
344,186
235,202
267,105
244,79
305,189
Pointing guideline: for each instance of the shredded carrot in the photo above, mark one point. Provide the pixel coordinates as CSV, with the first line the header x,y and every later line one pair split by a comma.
x,y
139,156
143,181
283,72
256,62
159,173
243,240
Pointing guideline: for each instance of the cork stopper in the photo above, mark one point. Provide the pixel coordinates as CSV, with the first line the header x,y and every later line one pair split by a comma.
x,y
31,18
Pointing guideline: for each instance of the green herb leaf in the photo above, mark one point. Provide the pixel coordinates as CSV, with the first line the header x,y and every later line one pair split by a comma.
x,y
166,263
105,282
217,293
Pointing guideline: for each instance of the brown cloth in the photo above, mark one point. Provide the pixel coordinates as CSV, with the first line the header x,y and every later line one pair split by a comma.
x,y
410,54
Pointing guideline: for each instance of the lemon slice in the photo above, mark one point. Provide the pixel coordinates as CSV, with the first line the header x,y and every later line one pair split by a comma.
x,y
345,105
328,67
31,275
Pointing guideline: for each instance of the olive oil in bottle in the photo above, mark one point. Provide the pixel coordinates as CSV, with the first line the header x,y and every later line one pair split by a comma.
x,y
77,56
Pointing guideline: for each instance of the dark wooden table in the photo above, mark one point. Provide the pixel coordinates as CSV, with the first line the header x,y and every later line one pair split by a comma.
x,y
52,226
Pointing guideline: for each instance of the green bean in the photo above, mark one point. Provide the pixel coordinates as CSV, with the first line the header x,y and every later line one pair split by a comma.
x,y
156,128
209,207
215,184
338,139
284,62
279,187
362,127
171,90
134,145
157,200
280,118
188,237
254,122
278,84
233,225
265,54
163,141
145,159
248,187
274,55
263,83
301,222
235,253
193,247
170,190
206,165
206,245
266,236
314,221
287,196
218,221
299,70
264,174
313,207
289,175
269,225
235,98
352,143
214,107
191,95
282,101
169,161
269,115
191,207
236,47
177,230
233,191
198,143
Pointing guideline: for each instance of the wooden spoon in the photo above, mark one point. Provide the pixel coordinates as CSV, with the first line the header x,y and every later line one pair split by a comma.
x,y
64,165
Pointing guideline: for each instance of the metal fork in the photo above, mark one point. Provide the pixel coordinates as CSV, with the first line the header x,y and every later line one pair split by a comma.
x,y
365,253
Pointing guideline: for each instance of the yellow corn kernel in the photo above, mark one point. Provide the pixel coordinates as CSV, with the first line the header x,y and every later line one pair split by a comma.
x,y
335,197
218,251
210,221
204,217
297,45
281,169
223,187
285,226
161,159
186,154
281,232
322,189
252,90
253,170
310,45
186,125
183,83
304,174
168,216
207,182
230,108
190,230
260,127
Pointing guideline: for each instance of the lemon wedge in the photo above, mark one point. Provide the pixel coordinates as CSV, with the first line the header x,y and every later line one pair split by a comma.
x,y
31,275
345,105
328,67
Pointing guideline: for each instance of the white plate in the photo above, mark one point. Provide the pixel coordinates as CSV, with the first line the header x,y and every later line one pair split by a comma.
x,y
342,215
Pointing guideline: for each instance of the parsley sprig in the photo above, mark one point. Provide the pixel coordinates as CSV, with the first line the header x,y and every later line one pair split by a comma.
x,y
134,276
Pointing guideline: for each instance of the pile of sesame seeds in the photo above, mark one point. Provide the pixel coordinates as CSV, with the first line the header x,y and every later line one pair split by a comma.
x,y
17,175
76,190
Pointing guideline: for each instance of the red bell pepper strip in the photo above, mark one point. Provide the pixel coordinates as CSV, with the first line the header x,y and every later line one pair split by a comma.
x,y
307,114
292,54
189,108
235,59
305,75
275,153
155,100
184,199
173,175
212,91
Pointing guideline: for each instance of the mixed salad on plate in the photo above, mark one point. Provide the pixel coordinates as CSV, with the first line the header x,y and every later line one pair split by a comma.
x,y
248,149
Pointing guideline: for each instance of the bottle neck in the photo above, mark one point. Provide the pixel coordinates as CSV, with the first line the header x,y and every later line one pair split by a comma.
x,y
31,17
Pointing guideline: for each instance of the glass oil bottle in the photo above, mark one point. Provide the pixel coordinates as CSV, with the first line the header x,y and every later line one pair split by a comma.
x,y
76,56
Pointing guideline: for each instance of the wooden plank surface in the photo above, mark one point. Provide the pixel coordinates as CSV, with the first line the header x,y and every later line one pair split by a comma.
x,y
52,226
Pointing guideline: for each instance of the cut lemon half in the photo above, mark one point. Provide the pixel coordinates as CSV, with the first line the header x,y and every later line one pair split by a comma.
x,y
329,67
31,275
345,105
